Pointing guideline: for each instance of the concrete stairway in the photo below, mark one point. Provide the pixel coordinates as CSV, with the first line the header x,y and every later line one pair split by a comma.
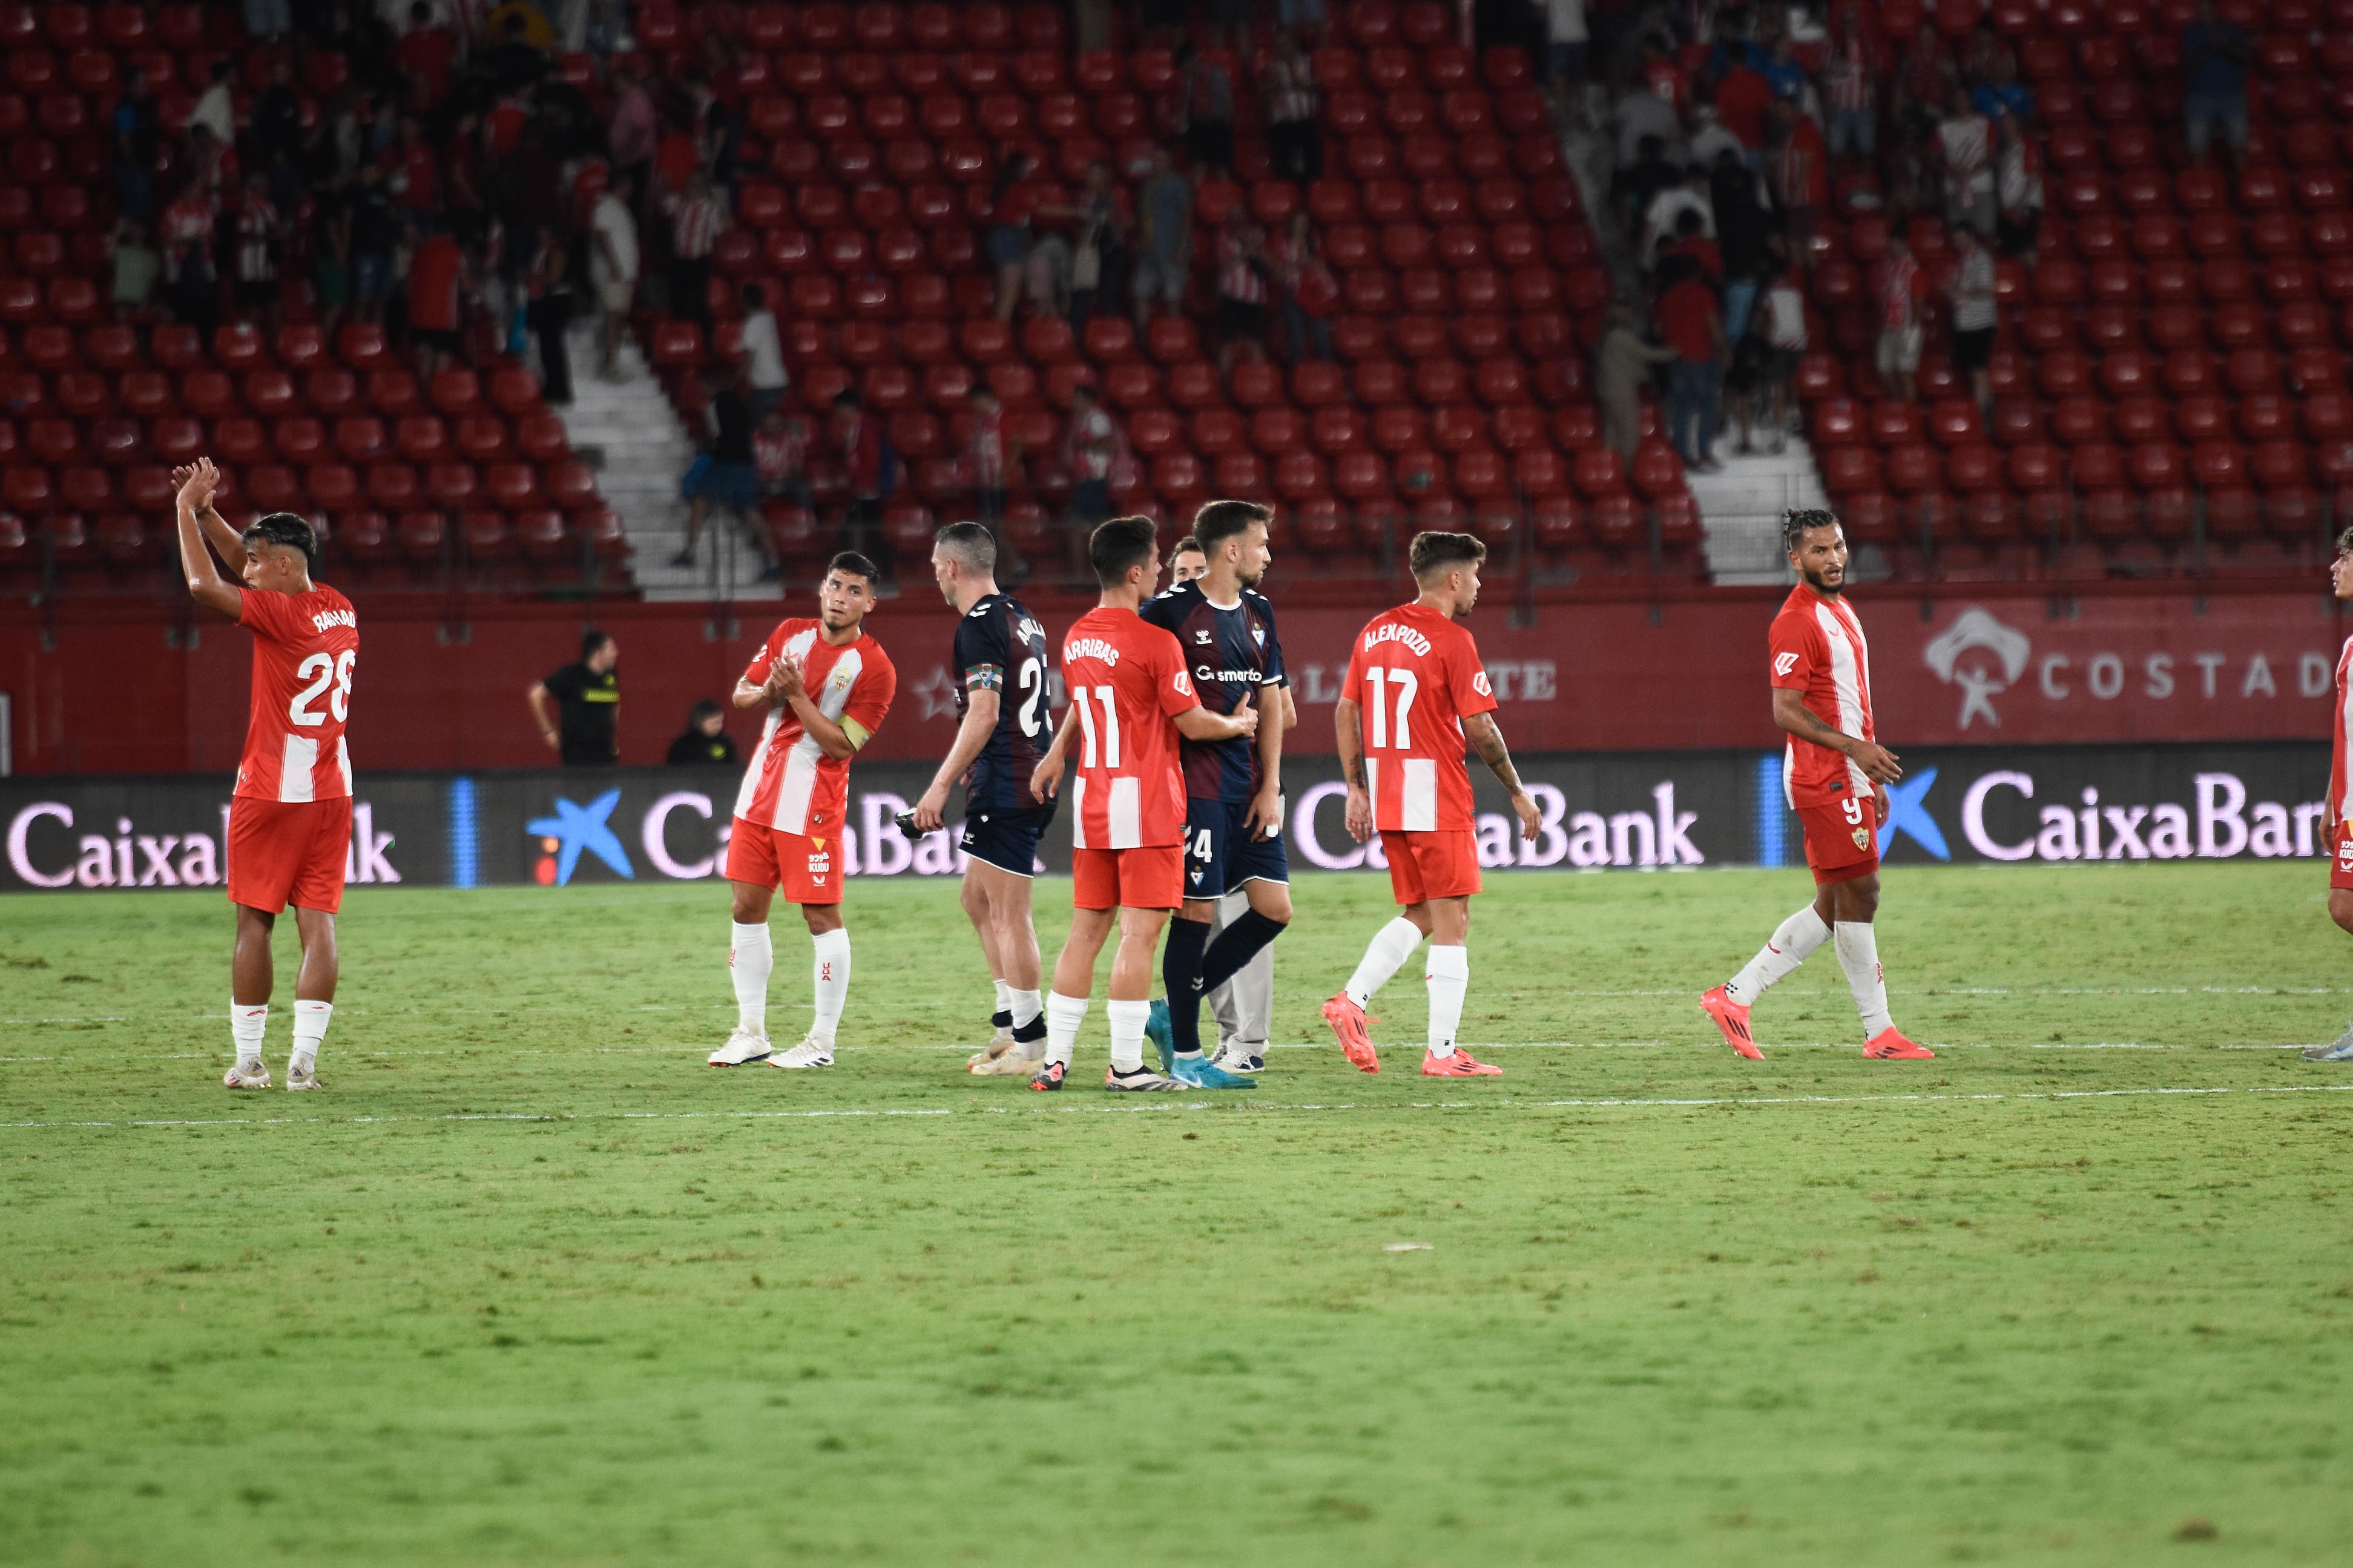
x,y
1741,509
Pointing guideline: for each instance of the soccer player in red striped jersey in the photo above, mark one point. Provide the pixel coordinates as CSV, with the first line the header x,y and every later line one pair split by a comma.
x,y
826,685
1132,700
1415,694
289,825
1836,774
2340,790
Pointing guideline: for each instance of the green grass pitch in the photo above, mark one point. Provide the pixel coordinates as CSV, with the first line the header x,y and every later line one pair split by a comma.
x,y
530,1284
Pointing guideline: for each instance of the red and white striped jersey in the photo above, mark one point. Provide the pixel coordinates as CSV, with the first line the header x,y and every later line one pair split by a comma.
x,y
304,648
1237,279
2340,765
1818,649
790,784
1127,682
1417,675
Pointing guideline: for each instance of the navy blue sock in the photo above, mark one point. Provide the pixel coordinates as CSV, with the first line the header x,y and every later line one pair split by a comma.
x,y
1180,972
1236,946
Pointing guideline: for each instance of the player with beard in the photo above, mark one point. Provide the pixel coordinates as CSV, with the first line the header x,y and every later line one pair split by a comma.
x,y
1233,788
1836,776
1005,724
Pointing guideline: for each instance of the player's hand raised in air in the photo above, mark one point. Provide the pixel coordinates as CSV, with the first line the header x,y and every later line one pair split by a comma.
x,y
1878,764
196,482
1530,818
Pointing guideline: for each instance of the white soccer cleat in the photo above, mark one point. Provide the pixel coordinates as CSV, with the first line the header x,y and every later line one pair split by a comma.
x,y
301,1078
984,1059
1238,1058
1007,1064
807,1053
742,1047
254,1074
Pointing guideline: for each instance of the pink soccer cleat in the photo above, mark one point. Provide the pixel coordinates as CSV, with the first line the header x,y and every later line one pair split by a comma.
x,y
1350,1023
1459,1065
1732,1017
1888,1045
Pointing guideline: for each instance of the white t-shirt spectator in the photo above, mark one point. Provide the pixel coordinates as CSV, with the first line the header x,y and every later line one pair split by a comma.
x,y
1973,297
614,227
1092,446
1785,317
1966,143
766,352
1567,18
213,111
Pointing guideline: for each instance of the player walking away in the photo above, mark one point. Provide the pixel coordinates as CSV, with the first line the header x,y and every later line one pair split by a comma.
x,y
1836,776
1233,789
1005,723
1128,685
826,685
289,823
2340,791
1415,693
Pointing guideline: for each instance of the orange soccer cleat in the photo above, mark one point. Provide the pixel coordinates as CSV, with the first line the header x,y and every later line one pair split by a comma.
x,y
1732,1017
1459,1064
1349,1022
1888,1045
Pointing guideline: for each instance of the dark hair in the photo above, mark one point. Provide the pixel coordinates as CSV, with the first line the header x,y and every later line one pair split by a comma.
x,y
1182,545
754,297
1119,546
1689,221
708,707
591,639
1433,552
287,530
1797,520
1222,519
2345,543
851,564
974,547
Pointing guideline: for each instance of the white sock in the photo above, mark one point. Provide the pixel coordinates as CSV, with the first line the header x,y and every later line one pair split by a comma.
x,y
1793,940
1127,1020
246,1026
1064,1016
1449,977
749,959
1858,953
309,1027
1383,957
832,970
1025,1009
1004,997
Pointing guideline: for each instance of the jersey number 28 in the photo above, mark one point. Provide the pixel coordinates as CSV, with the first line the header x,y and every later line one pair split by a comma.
x,y
326,669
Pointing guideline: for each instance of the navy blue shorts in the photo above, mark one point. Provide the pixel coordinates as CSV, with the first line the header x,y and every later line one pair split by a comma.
x,y
1221,853
1006,839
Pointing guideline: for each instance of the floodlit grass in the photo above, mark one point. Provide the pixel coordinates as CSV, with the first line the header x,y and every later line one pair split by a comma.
x,y
531,1284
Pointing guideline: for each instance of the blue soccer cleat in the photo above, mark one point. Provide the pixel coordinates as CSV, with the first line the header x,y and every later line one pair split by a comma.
x,y
2338,1050
1163,1039
1203,1073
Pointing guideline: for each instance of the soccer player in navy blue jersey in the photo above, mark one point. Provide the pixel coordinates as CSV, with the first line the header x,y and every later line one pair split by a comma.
x,y
1000,666
1233,816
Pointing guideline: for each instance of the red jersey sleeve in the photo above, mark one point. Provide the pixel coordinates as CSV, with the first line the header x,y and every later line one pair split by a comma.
x,y
878,683
268,614
1798,652
764,660
1466,681
1170,681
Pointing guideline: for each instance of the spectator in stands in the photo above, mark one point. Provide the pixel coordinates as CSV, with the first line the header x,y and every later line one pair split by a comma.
x,y
986,453
519,58
1801,179
214,110
1985,56
706,742
1292,105
1012,209
1298,15
137,269
1309,292
1690,251
1094,447
414,179
1743,232
547,311
188,258
428,54
1925,78
267,18
1566,39
1965,146
1742,99
1849,86
1783,311
634,131
137,143
2017,184
725,472
1621,368
583,729
1971,291
275,135
1164,249
1205,112
1661,76
1693,327
1098,260
698,217
764,352
330,232
257,236
1898,290
2002,93
1710,141
1641,183
857,437
2214,82
437,283
1660,223
1782,72
1644,117
1242,288
780,455
613,271
376,236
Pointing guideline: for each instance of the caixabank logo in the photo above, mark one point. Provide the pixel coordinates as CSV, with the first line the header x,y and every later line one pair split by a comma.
x,y
2059,810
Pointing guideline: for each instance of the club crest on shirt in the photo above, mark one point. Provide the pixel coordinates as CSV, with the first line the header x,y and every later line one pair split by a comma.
x,y
1258,636
1862,838
1201,636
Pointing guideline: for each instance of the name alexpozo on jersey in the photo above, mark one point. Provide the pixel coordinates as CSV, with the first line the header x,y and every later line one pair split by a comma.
x,y
326,618
1090,647
1395,631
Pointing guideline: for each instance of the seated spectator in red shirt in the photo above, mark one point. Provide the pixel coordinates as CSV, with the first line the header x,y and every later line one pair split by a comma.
x,y
1741,101
415,176
426,55
435,275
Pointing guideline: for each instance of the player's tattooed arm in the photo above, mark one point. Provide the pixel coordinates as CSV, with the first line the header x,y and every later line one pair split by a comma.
x,y
205,583
1790,711
1347,715
1487,738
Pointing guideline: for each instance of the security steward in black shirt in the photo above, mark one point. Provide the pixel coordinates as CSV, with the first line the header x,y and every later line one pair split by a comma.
x,y
587,697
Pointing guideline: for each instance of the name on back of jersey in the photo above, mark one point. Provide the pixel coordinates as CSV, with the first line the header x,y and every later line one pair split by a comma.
x,y
327,618
1397,631
1090,647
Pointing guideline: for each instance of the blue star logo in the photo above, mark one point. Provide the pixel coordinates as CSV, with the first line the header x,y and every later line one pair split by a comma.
x,y
1907,812
577,827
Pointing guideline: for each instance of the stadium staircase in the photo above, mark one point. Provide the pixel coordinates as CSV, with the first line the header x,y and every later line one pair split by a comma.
x,y
1470,280
468,476
2170,381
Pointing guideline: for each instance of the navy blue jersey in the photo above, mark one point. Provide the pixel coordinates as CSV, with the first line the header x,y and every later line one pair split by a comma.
x,y
1231,653
1000,647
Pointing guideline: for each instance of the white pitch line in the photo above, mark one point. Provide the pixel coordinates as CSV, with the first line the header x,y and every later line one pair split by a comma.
x,y
1175,1105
